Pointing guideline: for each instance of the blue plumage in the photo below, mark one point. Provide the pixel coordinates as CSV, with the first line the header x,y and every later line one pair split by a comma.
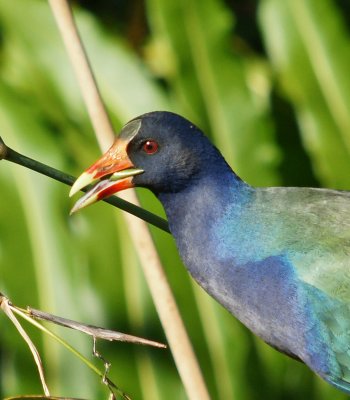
x,y
240,249
276,258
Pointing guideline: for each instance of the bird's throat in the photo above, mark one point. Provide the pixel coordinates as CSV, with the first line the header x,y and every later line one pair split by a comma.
x,y
194,213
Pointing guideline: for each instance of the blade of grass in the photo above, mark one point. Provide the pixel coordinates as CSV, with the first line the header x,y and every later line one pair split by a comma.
x,y
95,331
324,66
87,362
308,46
8,310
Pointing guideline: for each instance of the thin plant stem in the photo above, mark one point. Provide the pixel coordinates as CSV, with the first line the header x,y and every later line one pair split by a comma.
x,y
88,363
179,343
6,153
92,330
8,310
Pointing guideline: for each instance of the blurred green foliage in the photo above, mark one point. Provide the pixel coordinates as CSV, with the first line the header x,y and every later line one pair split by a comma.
x,y
267,80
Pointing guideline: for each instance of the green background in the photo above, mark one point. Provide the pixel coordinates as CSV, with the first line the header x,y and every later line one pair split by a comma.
x,y
267,80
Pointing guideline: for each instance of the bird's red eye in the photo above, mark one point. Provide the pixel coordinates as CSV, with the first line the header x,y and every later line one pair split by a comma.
x,y
150,147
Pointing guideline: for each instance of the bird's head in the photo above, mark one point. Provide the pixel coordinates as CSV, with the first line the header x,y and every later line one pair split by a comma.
x,y
159,150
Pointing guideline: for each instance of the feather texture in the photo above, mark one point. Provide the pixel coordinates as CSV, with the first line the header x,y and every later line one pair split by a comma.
x,y
276,258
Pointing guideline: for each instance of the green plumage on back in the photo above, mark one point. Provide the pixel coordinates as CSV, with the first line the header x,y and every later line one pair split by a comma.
x,y
313,226
311,229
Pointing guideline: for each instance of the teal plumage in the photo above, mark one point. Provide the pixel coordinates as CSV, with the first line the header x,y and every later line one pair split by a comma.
x,y
276,258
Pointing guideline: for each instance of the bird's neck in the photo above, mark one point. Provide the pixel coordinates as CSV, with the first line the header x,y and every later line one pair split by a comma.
x,y
208,195
194,212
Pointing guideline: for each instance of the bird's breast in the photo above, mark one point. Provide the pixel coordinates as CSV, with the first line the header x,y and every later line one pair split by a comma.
x,y
258,287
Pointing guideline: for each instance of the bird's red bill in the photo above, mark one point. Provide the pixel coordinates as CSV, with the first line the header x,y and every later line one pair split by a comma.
x,y
116,170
